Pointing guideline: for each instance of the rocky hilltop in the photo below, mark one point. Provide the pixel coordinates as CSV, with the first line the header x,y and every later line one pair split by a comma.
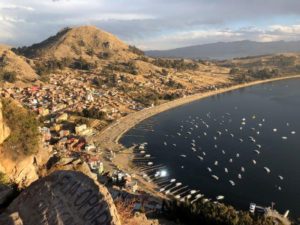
x,y
86,41
64,198
22,67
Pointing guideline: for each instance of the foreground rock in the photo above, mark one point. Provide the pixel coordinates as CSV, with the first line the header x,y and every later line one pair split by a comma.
x,y
62,198
4,129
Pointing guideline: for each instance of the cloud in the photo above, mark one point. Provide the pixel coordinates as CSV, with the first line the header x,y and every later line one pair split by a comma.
x,y
153,24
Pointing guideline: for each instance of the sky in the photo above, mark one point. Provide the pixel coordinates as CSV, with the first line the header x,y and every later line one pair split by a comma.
x,y
153,24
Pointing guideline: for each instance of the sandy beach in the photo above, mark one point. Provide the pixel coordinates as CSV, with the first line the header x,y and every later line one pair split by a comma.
x,y
109,137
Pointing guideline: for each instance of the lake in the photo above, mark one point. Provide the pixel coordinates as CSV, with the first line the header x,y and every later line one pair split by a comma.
x,y
248,139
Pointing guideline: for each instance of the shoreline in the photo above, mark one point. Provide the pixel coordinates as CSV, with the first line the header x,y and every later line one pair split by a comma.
x,y
110,136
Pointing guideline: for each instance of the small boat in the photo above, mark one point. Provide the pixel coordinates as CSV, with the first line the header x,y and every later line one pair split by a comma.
x,y
242,169
232,182
254,162
239,176
220,197
215,177
183,156
259,146
232,135
279,188
205,200
193,192
256,151
267,169
241,140
280,177
194,149
284,138
179,134
237,155
199,157
226,170
293,132
223,152
216,146
174,145
209,169
204,153
150,163
275,130
165,143
216,163
230,160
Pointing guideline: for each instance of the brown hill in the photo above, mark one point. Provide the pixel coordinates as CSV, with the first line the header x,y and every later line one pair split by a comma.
x,y
10,62
87,42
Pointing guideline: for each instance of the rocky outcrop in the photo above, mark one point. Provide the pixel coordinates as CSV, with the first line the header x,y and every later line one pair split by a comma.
x,y
62,198
24,170
4,130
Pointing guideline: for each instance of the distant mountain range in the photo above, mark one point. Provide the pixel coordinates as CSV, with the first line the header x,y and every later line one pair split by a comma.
x,y
228,50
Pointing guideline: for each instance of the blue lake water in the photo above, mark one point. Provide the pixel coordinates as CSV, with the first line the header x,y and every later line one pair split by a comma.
x,y
224,131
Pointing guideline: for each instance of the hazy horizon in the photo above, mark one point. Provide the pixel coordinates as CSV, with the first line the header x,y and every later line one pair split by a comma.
x,y
153,24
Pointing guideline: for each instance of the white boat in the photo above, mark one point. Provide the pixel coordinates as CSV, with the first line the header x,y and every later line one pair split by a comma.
x,y
205,200
220,197
239,176
259,146
216,163
267,169
256,151
230,160
242,169
254,162
199,157
241,140
284,138
209,169
275,130
223,152
237,155
226,170
293,132
174,145
216,146
232,182
215,177
183,156
150,163
179,134
165,143
280,177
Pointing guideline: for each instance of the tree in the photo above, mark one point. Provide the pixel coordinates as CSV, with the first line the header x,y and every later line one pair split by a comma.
x,y
8,76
